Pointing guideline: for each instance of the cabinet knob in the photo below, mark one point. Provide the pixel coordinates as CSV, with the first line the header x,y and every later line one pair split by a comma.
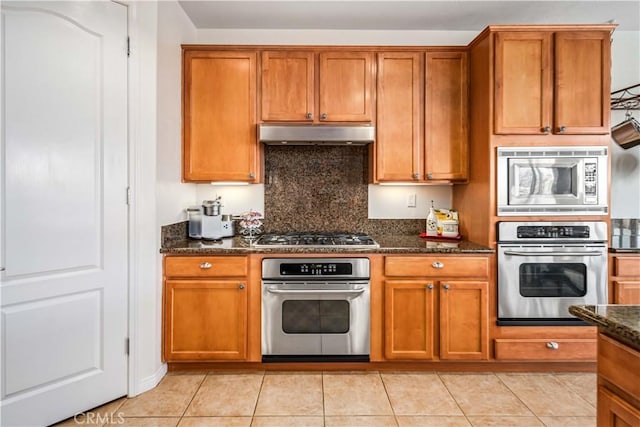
x,y
437,264
252,175
562,129
241,286
323,116
446,287
552,345
430,286
416,176
429,176
309,116
546,129
205,265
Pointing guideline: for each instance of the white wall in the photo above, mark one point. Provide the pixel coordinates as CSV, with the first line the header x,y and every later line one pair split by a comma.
x,y
390,201
172,195
625,164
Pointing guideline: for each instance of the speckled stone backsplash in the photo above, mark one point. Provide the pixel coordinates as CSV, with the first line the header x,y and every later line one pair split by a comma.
x,y
316,188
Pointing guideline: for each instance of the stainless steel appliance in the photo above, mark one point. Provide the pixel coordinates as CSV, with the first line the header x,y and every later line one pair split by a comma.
x,y
212,219
544,267
317,135
315,309
316,240
552,180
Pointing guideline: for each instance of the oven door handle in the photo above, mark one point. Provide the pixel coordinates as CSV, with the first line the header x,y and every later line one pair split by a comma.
x,y
586,253
316,291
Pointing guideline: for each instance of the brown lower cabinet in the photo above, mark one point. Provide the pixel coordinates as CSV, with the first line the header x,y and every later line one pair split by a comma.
x,y
205,308
624,277
448,306
618,384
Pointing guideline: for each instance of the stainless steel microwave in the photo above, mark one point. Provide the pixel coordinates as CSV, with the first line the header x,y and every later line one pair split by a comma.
x,y
552,181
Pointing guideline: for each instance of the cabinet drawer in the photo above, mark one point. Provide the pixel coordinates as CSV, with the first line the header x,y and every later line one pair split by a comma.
x,y
626,266
437,266
618,363
545,349
205,266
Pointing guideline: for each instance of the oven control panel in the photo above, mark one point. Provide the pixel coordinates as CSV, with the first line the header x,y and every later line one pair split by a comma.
x,y
315,269
553,232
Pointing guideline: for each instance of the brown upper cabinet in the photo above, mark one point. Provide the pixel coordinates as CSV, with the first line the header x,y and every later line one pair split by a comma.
x,y
317,87
552,82
219,116
422,117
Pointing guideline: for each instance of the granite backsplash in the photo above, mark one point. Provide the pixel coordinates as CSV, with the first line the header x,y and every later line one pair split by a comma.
x,y
322,188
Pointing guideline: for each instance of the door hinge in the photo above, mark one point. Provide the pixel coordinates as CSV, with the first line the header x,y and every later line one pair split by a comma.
x,y
128,46
128,195
126,346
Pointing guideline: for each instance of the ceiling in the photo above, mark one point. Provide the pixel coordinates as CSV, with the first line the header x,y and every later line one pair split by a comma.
x,y
451,15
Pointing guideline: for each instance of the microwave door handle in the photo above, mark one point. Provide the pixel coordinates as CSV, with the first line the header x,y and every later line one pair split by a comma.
x,y
586,253
316,291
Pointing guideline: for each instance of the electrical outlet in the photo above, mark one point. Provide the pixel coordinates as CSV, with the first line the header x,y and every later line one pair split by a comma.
x,y
411,200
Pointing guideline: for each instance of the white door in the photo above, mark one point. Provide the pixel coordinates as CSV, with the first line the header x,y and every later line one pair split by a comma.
x,y
64,215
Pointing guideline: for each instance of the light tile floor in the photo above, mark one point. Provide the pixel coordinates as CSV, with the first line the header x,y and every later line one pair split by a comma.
x,y
354,399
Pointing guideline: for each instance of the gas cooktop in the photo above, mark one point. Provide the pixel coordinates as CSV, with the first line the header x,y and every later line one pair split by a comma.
x,y
315,240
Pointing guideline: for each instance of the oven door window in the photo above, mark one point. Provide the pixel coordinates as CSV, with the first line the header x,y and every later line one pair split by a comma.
x,y
553,280
315,316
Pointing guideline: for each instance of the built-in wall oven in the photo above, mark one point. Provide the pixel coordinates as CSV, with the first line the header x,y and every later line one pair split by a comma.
x,y
315,309
544,267
552,180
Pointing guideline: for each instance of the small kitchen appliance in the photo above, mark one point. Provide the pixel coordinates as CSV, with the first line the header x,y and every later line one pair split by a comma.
x,y
212,219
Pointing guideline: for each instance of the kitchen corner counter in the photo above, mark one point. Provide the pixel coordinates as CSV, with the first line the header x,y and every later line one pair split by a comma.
x,y
389,244
621,322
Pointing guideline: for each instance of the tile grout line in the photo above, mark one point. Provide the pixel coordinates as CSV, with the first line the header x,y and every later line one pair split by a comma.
x,y
255,407
444,384
192,397
386,392
518,397
570,387
324,412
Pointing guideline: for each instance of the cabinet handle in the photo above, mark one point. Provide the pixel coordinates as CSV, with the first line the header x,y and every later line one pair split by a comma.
x,y
429,176
323,116
562,129
309,116
546,129
241,286
205,265
437,264
252,175
416,176
552,345
430,286
446,287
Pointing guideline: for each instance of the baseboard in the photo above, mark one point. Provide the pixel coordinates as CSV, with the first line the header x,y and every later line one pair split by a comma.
x,y
151,381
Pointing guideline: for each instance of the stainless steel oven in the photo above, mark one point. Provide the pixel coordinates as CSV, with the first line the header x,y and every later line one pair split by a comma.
x,y
544,267
315,309
552,180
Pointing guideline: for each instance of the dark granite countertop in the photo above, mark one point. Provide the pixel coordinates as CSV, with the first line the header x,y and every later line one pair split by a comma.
x,y
389,244
621,322
625,244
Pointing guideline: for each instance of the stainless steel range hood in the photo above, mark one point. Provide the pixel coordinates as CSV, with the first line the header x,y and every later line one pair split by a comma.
x,y
316,134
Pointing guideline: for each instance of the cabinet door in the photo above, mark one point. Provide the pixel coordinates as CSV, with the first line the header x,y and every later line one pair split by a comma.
x,y
205,320
346,86
287,86
626,292
464,318
399,117
219,118
613,411
408,319
523,89
582,82
445,123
